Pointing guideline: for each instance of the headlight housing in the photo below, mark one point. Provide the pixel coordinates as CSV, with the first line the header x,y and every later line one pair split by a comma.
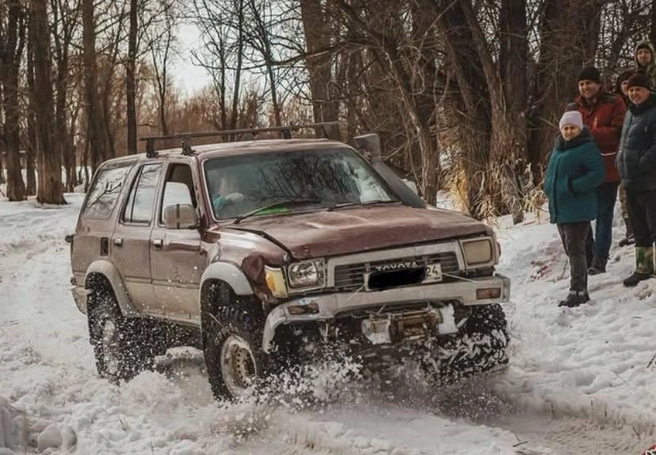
x,y
307,274
479,252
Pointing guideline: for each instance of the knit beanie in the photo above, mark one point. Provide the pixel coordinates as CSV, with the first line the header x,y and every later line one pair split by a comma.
x,y
639,80
571,118
589,73
644,45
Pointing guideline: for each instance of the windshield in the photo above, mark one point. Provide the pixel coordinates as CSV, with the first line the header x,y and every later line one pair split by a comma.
x,y
300,180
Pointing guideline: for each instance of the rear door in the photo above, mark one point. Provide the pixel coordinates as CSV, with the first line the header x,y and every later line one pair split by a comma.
x,y
130,242
97,217
177,260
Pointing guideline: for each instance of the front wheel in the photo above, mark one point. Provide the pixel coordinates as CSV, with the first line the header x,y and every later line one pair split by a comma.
x,y
480,346
232,340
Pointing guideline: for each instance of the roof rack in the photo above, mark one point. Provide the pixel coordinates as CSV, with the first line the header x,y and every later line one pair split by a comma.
x,y
325,127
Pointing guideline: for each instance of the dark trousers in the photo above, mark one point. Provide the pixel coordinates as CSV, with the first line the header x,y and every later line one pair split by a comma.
x,y
574,237
599,243
642,214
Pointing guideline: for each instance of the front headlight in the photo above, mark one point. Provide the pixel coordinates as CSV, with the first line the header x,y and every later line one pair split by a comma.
x,y
478,251
306,274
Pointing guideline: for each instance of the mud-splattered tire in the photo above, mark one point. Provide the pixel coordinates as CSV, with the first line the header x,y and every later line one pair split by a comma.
x,y
479,347
123,347
232,341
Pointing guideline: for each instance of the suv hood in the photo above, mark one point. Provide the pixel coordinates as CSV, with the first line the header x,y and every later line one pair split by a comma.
x,y
349,230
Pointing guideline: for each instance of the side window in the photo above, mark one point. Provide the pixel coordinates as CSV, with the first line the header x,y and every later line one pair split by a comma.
x,y
178,188
139,208
106,188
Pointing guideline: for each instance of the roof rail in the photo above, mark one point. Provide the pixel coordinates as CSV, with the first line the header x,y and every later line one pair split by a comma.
x,y
325,127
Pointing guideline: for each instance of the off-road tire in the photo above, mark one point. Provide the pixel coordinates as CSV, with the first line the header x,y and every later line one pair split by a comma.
x,y
479,347
233,320
134,343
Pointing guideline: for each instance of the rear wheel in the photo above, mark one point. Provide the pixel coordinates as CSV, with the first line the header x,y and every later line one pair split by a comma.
x,y
123,347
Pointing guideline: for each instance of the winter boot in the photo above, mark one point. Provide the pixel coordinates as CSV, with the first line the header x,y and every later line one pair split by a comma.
x,y
644,266
574,299
598,266
629,239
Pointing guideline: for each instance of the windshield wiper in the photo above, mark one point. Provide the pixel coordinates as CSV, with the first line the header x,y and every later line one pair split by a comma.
x,y
276,205
352,204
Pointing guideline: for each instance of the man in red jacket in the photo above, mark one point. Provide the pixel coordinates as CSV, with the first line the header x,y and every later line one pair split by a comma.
x,y
603,114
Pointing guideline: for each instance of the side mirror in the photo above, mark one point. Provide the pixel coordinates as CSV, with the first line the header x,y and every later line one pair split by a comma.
x,y
370,145
412,185
180,216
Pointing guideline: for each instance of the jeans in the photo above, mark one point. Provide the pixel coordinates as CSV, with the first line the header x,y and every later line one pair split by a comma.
x,y
574,237
599,243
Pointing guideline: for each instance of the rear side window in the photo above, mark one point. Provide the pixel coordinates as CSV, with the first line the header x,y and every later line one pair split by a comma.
x,y
139,208
106,188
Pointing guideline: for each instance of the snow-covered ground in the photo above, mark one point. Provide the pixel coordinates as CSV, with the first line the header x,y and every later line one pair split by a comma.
x,y
580,380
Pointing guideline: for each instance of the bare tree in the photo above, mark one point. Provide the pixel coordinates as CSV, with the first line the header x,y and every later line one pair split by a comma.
x,y
50,187
66,15
12,43
162,47
130,82
318,39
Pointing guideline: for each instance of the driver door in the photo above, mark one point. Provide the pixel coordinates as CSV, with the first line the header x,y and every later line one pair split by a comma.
x,y
177,259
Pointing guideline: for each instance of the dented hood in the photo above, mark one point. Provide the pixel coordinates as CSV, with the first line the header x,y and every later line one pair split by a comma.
x,y
350,230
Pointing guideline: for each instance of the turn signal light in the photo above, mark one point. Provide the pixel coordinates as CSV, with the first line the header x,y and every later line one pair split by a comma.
x,y
488,293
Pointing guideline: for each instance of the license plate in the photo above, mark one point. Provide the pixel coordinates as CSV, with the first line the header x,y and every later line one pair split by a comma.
x,y
433,273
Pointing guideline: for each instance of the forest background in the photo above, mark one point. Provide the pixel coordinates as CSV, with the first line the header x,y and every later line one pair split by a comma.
x,y
465,94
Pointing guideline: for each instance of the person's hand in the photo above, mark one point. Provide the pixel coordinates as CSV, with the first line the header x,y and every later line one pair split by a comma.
x,y
234,198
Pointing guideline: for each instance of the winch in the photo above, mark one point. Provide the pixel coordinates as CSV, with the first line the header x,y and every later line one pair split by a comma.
x,y
392,327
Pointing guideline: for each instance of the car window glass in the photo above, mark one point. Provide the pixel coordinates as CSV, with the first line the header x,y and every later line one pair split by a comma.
x,y
139,207
178,188
105,190
241,184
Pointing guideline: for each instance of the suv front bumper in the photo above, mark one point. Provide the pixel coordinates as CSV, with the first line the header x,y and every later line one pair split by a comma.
x,y
327,306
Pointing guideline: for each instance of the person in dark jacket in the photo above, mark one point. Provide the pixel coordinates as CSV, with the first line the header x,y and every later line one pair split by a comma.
x,y
603,114
622,89
574,172
636,162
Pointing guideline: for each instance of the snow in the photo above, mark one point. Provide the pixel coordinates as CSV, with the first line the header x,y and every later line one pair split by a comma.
x,y
579,381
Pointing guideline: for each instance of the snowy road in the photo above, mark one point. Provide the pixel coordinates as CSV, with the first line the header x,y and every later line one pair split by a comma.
x,y
578,381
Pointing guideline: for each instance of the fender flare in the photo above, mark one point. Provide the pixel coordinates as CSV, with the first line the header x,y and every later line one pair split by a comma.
x,y
230,274
109,271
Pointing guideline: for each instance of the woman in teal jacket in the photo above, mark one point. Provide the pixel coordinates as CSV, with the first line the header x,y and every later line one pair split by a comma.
x,y
574,172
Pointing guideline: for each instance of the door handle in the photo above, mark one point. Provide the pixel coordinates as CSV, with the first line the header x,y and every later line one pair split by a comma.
x,y
118,242
158,243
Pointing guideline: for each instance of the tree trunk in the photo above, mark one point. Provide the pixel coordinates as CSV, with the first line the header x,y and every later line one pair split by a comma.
x,y
240,59
568,40
130,82
510,153
10,65
30,143
318,37
95,138
50,188
471,104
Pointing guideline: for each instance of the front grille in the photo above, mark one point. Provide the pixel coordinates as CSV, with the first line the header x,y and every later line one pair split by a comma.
x,y
351,276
